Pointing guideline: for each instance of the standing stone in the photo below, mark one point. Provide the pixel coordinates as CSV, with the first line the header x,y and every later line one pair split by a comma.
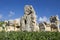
x,y
22,24
55,20
28,22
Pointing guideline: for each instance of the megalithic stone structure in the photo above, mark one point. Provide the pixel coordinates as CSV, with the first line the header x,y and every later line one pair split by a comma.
x,y
55,20
28,21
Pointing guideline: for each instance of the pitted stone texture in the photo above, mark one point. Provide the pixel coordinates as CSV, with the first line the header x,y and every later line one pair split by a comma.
x,y
28,22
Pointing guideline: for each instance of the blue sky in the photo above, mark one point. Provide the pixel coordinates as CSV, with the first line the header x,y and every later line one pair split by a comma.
x,y
12,9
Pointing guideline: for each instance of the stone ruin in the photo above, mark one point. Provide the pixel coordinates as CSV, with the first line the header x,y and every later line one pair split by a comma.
x,y
52,26
54,20
28,21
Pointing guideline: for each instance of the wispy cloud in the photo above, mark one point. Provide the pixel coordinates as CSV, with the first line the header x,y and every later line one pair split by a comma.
x,y
11,13
57,16
1,16
42,19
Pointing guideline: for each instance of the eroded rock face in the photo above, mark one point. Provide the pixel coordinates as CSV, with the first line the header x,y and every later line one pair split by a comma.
x,y
28,21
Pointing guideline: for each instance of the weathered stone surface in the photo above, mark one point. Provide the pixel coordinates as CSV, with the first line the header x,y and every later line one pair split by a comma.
x,y
44,26
28,21
55,20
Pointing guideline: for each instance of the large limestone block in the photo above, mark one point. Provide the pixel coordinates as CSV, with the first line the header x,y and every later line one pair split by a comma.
x,y
28,22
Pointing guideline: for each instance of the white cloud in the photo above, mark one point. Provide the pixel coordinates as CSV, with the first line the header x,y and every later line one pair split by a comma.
x,y
36,16
42,19
57,16
11,13
1,16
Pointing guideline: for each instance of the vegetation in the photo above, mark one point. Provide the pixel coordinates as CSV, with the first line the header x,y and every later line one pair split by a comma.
x,y
29,35
1,23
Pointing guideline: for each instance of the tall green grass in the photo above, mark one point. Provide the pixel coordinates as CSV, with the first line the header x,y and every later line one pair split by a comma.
x,y
29,35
